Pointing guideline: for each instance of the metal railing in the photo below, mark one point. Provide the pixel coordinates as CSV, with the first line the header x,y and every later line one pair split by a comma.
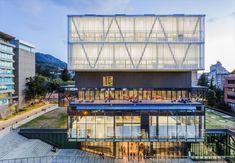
x,y
97,159
135,101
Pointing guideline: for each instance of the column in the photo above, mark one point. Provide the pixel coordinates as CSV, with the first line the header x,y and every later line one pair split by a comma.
x,y
114,150
157,127
145,125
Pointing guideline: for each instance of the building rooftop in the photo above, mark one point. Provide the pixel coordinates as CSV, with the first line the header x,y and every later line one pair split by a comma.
x,y
6,37
230,76
135,15
17,42
233,72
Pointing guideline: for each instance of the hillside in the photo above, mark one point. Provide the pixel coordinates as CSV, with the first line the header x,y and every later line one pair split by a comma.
x,y
48,65
47,58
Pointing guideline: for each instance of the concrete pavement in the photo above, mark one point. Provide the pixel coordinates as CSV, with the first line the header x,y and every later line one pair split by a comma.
x,y
222,114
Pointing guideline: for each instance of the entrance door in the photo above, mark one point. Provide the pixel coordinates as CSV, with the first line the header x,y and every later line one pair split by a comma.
x,y
131,151
134,151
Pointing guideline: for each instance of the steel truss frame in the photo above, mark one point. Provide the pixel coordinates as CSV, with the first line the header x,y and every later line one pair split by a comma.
x,y
136,66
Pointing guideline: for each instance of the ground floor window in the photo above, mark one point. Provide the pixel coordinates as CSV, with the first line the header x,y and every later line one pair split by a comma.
x,y
136,150
137,126
92,94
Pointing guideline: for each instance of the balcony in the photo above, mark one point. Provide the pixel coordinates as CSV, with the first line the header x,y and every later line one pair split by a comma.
x,y
135,102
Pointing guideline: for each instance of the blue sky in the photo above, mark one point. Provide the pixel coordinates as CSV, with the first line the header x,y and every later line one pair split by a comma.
x,y
44,22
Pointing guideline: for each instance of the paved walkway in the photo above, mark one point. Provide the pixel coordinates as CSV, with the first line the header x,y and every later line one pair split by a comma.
x,y
222,114
25,117
221,119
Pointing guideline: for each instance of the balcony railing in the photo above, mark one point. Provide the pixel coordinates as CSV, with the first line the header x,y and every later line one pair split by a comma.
x,y
94,158
136,101
136,36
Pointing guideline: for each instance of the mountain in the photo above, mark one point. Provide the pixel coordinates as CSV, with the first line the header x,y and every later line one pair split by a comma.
x,y
48,65
47,58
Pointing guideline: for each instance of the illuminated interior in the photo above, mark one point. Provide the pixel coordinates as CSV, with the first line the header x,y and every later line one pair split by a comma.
x,y
169,42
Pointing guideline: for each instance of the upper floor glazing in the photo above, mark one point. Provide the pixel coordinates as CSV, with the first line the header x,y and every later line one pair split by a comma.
x,y
130,96
6,55
5,47
147,42
148,28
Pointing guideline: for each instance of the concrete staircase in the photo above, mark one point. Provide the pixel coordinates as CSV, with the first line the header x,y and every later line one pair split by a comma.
x,y
78,156
9,142
14,145
30,148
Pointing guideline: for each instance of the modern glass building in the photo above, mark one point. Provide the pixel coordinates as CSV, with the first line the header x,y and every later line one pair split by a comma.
x,y
6,72
136,42
135,92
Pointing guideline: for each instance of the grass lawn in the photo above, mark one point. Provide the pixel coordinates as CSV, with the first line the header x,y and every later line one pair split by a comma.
x,y
26,109
217,121
58,119
53,119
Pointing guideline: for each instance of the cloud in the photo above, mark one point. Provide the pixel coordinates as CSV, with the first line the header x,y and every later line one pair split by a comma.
x,y
210,20
233,13
213,19
96,6
30,7
64,42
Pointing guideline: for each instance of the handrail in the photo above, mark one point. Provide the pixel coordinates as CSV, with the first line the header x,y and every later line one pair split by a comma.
x,y
68,158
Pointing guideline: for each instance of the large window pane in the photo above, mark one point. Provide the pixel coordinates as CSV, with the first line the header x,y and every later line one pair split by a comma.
x,y
109,127
153,126
172,121
162,120
100,127
135,133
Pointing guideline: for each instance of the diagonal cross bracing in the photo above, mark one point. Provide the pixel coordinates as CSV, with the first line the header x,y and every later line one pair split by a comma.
x,y
87,58
146,43
186,52
106,34
189,45
125,43
135,60
164,32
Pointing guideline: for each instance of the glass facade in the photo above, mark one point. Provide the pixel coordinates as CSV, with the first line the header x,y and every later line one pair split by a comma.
x,y
124,119
218,146
132,125
136,42
115,95
159,125
137,150
6,71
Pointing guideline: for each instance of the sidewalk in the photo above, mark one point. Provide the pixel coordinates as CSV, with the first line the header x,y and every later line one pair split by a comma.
x,y
25,117
222,114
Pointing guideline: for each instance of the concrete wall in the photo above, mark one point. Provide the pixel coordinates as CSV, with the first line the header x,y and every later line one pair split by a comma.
x,y
135,79
24,68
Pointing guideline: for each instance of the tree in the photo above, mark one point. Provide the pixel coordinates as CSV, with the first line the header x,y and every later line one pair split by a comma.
x,y
65,76
36,88
212,86
211,98
203,80
52,86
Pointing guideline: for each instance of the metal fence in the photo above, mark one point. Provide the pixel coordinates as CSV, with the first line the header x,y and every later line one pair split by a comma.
x,y
90,159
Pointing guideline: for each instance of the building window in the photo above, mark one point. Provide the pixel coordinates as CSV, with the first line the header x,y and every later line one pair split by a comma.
x,y
231,97
230,89
107,81
232,105
231,81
